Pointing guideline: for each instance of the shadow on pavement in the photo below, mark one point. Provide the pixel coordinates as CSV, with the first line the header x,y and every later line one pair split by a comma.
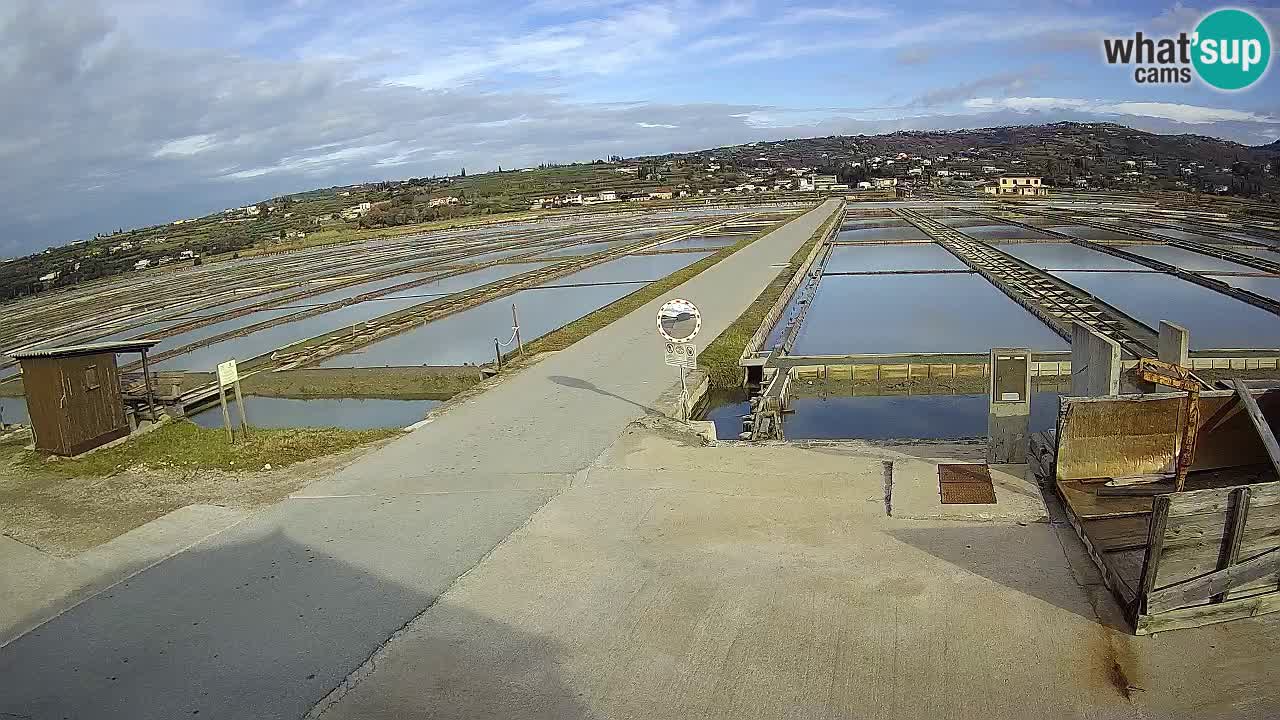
x,y
460,666
578,384
299,623
1002,554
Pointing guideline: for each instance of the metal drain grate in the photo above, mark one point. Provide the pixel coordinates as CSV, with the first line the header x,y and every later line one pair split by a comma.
x,y
965,485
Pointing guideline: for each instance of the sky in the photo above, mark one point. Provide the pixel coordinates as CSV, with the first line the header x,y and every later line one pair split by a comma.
x,y
120,113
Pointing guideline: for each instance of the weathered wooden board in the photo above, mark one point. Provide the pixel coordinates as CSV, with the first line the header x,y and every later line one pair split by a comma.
x,y
1207,614
1139,434
1199,532
1085,502
1118,533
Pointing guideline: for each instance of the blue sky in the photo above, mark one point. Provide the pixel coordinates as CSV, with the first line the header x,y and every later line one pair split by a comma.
x,y
131,112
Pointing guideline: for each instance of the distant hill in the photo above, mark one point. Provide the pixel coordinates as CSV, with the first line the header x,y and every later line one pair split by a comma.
x,y
1055,150
1096,155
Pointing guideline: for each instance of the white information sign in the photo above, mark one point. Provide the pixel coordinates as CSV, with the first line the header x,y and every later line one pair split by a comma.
x,y
227,373
682,355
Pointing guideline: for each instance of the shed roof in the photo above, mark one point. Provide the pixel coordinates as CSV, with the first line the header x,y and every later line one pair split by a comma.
x,y
123,346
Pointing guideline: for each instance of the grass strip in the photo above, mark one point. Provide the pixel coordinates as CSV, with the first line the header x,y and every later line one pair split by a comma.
x,y
720,358
184,445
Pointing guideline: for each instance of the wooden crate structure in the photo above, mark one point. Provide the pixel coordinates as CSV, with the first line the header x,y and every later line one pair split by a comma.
x,y
73,395
1173,559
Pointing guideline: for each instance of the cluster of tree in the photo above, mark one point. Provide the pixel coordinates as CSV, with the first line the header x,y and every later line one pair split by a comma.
x,y
846,173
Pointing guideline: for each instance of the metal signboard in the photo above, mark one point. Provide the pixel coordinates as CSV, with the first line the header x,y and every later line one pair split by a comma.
x,y
681,355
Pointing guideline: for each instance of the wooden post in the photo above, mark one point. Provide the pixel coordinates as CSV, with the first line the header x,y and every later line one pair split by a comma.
x,y
515,323
1151,561
497,351
1259,422
1237,516
146,378
244,421
226,416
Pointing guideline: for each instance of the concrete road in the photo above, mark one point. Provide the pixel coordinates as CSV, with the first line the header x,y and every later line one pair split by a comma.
x,y
262,621
768,582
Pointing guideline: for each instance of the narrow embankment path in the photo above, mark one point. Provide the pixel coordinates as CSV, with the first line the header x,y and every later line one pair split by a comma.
x,y
265,619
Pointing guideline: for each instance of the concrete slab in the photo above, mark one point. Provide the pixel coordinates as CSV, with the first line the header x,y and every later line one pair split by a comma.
x,y
265,618
728,590
915,495
44,585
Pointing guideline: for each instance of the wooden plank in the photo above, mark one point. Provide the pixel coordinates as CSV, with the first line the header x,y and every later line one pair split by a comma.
x,y
1155,545
1127,565
1121,533
1084,501
1197,590
1200,615
1218,500
1236,519
1259,422
1123,593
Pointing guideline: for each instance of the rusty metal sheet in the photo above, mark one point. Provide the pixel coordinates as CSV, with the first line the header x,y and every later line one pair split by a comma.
x,y
967,484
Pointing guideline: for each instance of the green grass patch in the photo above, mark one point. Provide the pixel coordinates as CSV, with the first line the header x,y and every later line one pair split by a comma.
x,y
587,324
720,358
184,445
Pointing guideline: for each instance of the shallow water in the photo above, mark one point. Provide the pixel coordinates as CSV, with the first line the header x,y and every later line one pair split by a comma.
x,y
1004,232
1066,256
467,337
14,410
1090,233
915,256
347,413
917,313
278,336
1186,259
887,417
902,232
1213,319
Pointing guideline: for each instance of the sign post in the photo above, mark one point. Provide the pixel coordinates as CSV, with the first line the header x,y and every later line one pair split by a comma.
x,y
678,323
228,375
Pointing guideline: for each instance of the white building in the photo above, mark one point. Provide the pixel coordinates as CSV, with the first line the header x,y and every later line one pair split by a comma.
x,y
1017,185
142,265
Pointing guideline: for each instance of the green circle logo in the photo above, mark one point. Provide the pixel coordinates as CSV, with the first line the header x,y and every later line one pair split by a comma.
x,y
1232,49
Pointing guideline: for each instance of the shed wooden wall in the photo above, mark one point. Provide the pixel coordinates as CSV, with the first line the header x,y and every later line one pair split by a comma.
x,y
68,415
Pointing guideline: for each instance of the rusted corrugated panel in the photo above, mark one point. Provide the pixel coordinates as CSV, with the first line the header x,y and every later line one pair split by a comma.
x,y
965,484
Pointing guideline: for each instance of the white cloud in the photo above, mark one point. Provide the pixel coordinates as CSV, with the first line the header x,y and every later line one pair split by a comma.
x,y
1177,112
657,125
800,16
189,145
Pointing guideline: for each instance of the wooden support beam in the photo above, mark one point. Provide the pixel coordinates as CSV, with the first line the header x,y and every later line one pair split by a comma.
x,y
1151,561
1259,422
1237,516
1196,590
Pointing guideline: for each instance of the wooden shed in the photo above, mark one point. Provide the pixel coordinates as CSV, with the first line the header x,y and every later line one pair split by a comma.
x,y
73,394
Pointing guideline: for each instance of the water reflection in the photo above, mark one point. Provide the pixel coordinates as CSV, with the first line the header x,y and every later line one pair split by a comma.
x,y
347,413
889,417
1213,319
916,313
914,256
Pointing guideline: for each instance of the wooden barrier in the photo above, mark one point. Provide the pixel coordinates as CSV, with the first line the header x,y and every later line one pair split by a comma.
x,y
1173,559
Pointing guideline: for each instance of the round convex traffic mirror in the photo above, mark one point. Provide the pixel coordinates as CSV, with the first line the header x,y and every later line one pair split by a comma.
x,y
679,320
